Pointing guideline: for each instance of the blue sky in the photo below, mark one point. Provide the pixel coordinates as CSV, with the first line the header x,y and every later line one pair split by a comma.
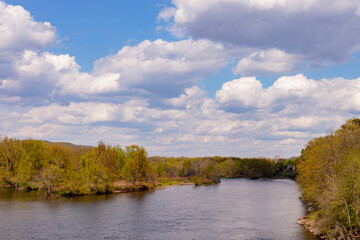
x,y
194,78
90,30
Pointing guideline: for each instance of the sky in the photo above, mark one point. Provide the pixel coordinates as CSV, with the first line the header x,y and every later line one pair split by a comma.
x,y
245,78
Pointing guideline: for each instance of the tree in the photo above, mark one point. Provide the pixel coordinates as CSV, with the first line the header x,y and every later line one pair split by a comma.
x,y
136,163
120,153
108,159
35,151
50,175
10,153
329,175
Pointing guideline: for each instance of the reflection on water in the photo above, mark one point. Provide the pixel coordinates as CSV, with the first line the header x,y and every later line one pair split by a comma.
x,y
234,209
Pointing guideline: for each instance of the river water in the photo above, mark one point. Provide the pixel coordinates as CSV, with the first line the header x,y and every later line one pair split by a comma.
x,y
234,209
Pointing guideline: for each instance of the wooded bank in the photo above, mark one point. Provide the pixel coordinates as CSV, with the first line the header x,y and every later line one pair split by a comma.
x,y
66,169
329,176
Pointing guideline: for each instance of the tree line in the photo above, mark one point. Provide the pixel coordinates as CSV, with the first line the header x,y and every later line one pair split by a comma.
x,y
58,168
217,167
329,176
77,170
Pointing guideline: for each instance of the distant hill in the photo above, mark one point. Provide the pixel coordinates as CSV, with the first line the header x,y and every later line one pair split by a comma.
x,y
71,145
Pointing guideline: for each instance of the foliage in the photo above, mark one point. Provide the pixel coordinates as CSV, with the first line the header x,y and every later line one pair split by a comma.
x,y
329,175
136,164
72,170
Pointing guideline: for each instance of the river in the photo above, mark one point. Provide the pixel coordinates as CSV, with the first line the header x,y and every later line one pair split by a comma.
x,y
234,209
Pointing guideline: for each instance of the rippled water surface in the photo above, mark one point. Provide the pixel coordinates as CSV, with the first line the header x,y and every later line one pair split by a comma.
x,y
234,209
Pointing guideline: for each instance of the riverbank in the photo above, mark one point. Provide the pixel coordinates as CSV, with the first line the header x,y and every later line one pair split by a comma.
x,y
328,173
123,186
310,223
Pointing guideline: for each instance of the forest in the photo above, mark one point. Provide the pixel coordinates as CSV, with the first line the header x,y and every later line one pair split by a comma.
x,y
70,170
329,176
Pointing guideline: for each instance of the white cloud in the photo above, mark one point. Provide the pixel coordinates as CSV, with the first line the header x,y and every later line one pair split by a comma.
x,y
84,84
159,68
279,119
73,114
298,28
78,113
245,91
187,11
292,91
268,62
29,74
19,30
244,119
34,74
162,67
193,96
44,131
166,13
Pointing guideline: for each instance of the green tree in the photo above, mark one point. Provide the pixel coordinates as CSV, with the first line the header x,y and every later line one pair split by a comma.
x,y
136,163
121,155
35,151
329,175
10,153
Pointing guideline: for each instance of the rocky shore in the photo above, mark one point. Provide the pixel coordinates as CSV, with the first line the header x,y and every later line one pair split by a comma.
x,y
310,224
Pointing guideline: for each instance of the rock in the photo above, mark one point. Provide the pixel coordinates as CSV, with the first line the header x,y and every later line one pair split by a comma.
x,y
310,226
312,208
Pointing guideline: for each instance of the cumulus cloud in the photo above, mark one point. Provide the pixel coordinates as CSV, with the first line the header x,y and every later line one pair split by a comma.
x,y
26,71
193,96
84,84
166,13
74,113
292,91
278,119
158,68
43,75
170,115
245,92
19,30
273,61
40,77
154,68
319,30
162,67
78,113
29,74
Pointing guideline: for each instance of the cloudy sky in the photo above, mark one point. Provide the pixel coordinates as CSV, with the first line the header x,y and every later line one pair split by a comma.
x,y
180,77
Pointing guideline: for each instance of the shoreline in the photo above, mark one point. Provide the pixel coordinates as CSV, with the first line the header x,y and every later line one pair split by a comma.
x,y
175,185
123,186
310,225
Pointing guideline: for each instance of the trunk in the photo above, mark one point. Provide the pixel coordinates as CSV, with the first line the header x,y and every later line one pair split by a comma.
x,y
48,191
133,179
